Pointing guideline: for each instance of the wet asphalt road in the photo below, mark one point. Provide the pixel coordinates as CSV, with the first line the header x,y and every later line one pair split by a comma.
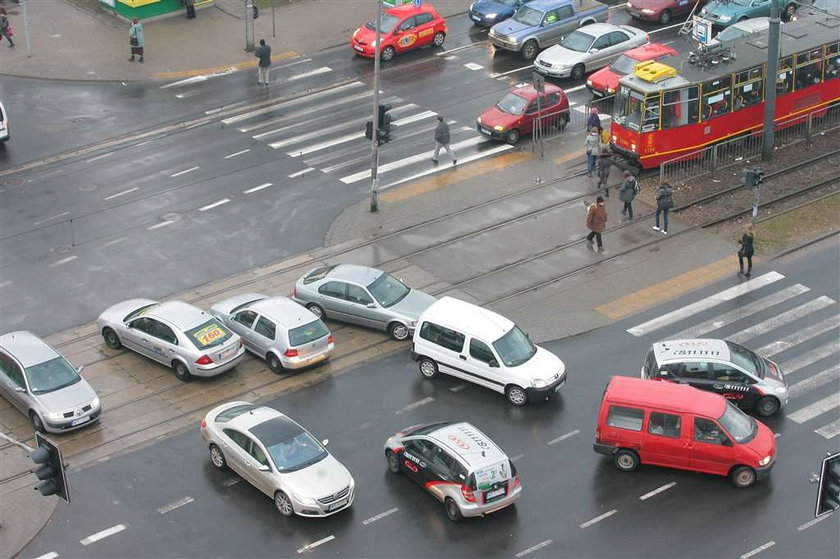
x,y
565,484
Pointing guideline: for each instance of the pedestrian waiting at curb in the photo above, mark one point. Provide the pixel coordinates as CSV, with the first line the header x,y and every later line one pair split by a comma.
x,y
664,203
593,145
190,6
442,140
605,162
594,120
746,249
135,39
6,28
596,221
627,193
263,52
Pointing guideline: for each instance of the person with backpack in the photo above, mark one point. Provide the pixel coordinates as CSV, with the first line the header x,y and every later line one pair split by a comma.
x,y
664,203
596,221
604,165
593,144
627,193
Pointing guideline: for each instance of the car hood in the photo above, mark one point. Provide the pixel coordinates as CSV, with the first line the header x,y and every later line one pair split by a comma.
x,y
495,117
713,8
225,306
116,313
763,443
491,6
412,305
70,397
542,365
604,79
319,480
558,54
510,27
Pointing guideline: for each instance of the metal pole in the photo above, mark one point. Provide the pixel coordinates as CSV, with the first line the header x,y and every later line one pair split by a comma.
x,y
273,20
374,141
249,25
26,29
770,81
755,204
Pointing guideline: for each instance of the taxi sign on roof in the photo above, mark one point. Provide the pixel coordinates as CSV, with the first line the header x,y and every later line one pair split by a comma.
x,y
653,71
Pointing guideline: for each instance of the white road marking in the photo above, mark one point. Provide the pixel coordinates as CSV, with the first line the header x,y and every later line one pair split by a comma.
x,y
301,172
576,88
237,153
534,548
456,49
313,545
320,146
812,522
379,516
812,356
319,110
184,172
142,143
417,404
781,319
484,153
509,72
176,504
458,387
209,112
112,243
517,457
62,214
256,188
98,157
817,408
315,72
159,225
758,550
291,102
453,57
5,283
830,430
214,205
103,534
703,304
123,193
799,337
657,491
741,312
186,81
415,118
822,378
589,523
473,66
563,437
232,481
319,133
63,261
50,555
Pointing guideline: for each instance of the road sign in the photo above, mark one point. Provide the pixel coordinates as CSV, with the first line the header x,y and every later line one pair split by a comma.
x,y
539,82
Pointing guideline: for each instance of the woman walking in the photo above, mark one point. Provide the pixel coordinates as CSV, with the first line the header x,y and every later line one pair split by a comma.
x,y
664,203
5,27
135,39
593,145
604,166
746,249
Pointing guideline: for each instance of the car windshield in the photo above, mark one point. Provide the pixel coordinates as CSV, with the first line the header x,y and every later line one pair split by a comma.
x,y
209,334
307,333
507,2
746,359
388,290
51,375
739,425
512,104
296,453
515,347
624,65
528,16
578,41
388,23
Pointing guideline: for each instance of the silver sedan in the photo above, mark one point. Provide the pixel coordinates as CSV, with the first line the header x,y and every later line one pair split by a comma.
x,y
276,329
174,333
364,296
278,457
588,48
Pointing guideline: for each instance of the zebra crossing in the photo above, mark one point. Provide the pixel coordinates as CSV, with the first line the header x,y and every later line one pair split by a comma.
x,y
778,319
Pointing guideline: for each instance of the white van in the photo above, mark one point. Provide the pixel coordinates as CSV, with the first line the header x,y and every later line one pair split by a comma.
x,y
474,344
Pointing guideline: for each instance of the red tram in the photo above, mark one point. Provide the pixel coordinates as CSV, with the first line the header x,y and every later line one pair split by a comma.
x,y
662,112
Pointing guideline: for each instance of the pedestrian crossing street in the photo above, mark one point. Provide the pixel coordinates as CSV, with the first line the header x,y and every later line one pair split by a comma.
x,y
780,320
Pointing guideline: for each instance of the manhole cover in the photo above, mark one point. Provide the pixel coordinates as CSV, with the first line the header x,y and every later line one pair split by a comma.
x,y
171,216
62,249
88,187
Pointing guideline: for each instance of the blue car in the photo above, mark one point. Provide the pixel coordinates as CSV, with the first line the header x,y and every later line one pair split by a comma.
x,y
724,13
487,13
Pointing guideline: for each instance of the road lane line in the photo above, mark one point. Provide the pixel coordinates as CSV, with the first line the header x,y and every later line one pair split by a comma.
x,y
50,555
416,118
509,72
98,157
657,491
563,437
237,153
62,214
417,404
214,205
799,337
817,408
159,225
440,168
781,319
291,102
703,304
758,550
256,188
534,548
812,356
187,81
301,172
175,504
319,109
103,534
123,193
184,172
830,430
313,545
589,523
812,522
142,143
315,72
456,49
473,66
831,375
112,243
63,261
379,516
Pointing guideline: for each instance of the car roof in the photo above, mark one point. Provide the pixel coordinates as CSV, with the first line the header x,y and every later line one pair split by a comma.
x,y
253,417
634,391
27,348
527,90
179,314
543,5
362,275
752,23
680,350
283,311
409,9
650,51
598,29
464,440
463,316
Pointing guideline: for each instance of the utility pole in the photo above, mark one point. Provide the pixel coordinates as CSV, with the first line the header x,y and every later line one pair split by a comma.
x,y
249,25
770,80
26,29
374,140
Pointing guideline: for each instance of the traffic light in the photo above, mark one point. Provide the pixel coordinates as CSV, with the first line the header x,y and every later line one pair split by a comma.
x,y
758,175
752,178
384,117
256,11
50,468
828,494
369,130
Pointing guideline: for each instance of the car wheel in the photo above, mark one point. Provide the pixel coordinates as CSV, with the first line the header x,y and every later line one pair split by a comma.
x,y
217,457
744,18
516,395
530,49
111,339
283,504
577,72
512,136
440,37
274,364
393,461
452,510
398,331
317,310
387,53
767,406
665,17
742,477
428,368
181,371
626,460
37,424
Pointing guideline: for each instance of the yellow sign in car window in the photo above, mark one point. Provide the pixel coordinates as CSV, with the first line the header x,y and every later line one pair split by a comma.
x,y
209,334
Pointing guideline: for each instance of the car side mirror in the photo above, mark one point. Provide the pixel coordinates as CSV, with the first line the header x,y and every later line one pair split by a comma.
x,y
370,306
493,363
20,389
325,442
726,442
594,49
263,468
80,368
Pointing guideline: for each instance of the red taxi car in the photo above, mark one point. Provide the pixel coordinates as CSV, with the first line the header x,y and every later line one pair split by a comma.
x,y
605,81
514,115
404,28
660,10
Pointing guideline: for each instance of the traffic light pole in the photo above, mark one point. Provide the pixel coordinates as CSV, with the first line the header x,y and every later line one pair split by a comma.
x,y
770,81
249,25
374,140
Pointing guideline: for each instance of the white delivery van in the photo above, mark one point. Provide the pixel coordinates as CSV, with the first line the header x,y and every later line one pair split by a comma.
x,y
478,345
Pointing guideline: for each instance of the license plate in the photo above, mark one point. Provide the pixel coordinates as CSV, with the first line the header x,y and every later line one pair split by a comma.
x,y
559,386
79,421
359,48
493,494
338,504
485,131
475,18
225,354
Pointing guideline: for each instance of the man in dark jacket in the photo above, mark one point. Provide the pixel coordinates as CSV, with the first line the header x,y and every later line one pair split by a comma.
x,y
627,193
263,52
190,5
442,140
664,203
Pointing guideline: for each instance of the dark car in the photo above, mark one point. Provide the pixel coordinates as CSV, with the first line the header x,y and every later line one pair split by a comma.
x,y
487,13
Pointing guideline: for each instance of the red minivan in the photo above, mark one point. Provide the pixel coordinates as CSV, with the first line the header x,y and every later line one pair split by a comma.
x,y
677,426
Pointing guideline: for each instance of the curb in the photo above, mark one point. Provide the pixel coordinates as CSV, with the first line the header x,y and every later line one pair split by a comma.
x,y
803,245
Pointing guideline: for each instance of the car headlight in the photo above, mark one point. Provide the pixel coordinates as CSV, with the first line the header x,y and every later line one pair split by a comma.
x,y
781,390
412,323
492,32
629,5
373,43
647,11
55,416
764,461
559,65
725,18
538,383
490,16
478,120
95,402
499,128
308,501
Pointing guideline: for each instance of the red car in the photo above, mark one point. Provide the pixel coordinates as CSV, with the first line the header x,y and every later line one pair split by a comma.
x,y
514,115
404,28
605,81
660,10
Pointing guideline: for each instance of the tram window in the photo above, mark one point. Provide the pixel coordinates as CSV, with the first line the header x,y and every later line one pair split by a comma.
x,y
628,108
717,97
808,68
680,107
651,120
748,94
832,61
784,81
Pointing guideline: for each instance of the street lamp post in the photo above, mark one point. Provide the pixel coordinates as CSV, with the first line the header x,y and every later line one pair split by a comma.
x,y
249,25
374,139
770,81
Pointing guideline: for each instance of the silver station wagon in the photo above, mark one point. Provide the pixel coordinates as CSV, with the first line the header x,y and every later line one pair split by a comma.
x,y
276,329
40,382
364,296
176,334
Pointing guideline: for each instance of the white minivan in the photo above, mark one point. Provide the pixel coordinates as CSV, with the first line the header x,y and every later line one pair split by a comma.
x,y
478,345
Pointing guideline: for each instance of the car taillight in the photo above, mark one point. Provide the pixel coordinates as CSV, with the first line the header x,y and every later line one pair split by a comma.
x,y
468,494
516,480
330,339
294,292
203,423
647,37
204,360
291,353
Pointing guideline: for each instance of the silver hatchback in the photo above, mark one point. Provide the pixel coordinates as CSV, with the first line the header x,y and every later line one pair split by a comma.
x,y
43,385
364,296
174,333
276,329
